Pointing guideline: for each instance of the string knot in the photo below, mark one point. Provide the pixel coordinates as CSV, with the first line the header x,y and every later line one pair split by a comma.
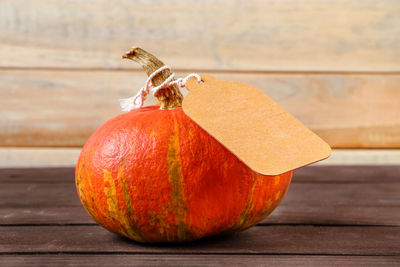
x,y
137,101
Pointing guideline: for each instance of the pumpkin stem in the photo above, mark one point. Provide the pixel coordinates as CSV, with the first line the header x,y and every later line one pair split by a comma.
x,y
170,97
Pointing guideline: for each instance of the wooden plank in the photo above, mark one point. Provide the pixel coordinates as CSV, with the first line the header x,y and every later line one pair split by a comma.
x,y
55,194
31,215
296,208
44,157
335,196
374,157
38,195
196,260
264,35
309,174
308,240
37,175
62,108
347,174
34,157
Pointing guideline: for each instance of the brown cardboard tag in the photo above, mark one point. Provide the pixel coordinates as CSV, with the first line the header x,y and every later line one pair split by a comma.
x,y
252,126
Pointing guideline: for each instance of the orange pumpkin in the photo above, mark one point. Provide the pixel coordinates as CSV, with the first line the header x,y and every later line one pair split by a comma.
x,y
153,175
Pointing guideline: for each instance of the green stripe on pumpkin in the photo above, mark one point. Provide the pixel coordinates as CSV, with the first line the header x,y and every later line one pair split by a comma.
x,y
114,210
81,191
243,217
134,230
176,178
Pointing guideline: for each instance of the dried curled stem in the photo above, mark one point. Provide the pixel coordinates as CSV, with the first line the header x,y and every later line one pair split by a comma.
x,y
170,97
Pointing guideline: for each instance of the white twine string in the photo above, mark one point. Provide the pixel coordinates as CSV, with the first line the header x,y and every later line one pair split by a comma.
x,y
136,101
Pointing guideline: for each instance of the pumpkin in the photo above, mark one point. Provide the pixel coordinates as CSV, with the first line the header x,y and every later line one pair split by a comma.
x,y
153,175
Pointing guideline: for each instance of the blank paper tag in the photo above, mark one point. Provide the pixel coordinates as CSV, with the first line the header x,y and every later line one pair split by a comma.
x,y
252,126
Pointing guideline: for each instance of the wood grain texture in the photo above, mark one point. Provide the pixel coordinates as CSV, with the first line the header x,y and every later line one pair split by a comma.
x,y
310,240
335,196
337,208
362,157
34,157
195,260
43,224
371,196
257,35
23,157
62,108
362,174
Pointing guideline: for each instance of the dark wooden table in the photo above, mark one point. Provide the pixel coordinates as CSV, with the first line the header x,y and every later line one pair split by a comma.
x,y
331,216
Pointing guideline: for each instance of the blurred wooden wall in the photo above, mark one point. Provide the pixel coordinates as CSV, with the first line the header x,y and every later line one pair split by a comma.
x,y
333,64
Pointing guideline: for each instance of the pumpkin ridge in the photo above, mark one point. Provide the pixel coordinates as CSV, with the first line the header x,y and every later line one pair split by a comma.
x,y
176,179
92,209
114,210
242,219
250,220
82,196
132,223
111,198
